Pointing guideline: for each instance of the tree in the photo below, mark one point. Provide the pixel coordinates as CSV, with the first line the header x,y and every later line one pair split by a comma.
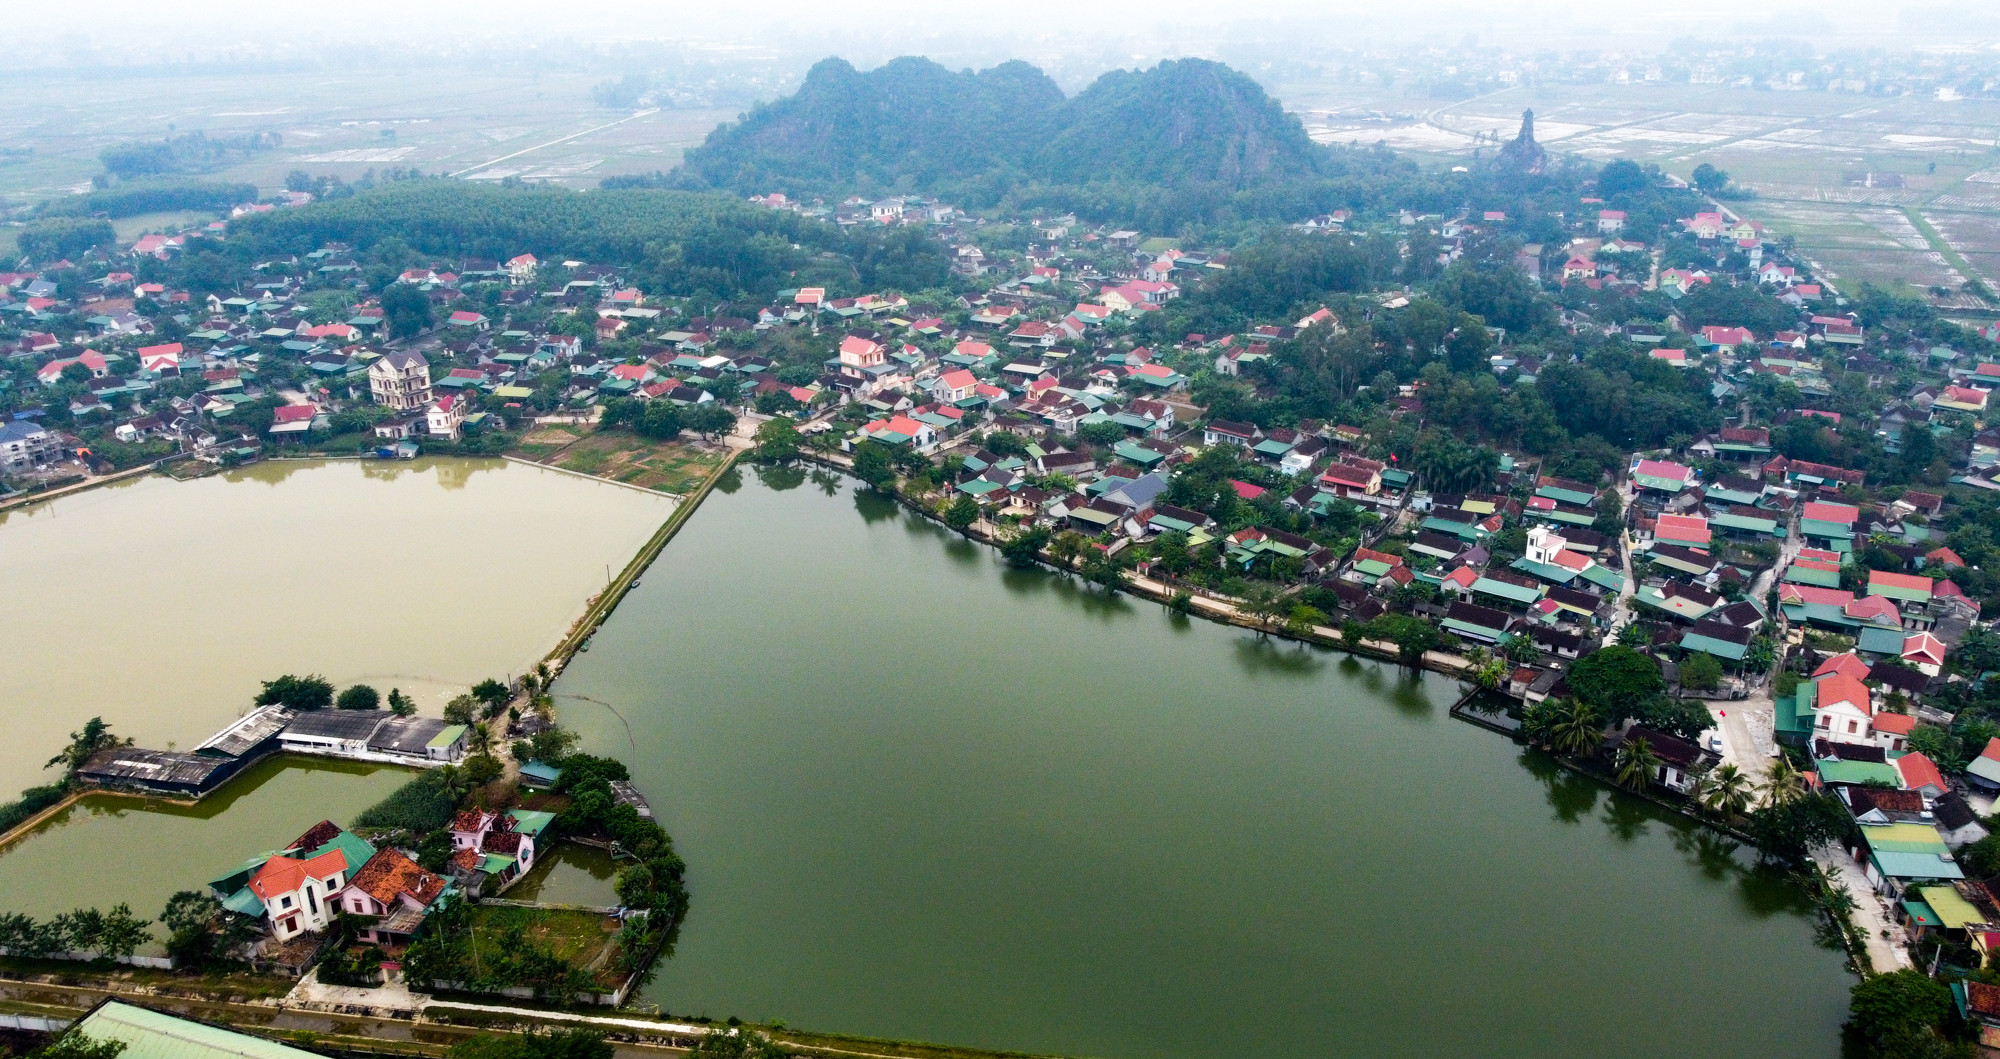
x,y
190,918
1724,791
120,933
358,697
1789,832
962,513
1101,433
709,418
1701,672
1575,728
95,735
493,695
313,692
453,781
739,1043
1784,784
778,440
535,1044
75,1045
1301,619
872,464
1617,680
462,709
481,738
1634,635
658,420
1023,549
1896,1014
1637,764
400,704
1710,180
1064,549
407,309
1621,177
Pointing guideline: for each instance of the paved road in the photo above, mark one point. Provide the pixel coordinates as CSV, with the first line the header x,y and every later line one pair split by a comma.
x,y
1871,912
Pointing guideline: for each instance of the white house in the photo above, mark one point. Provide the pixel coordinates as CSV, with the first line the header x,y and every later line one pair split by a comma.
x,y
445,418
298,895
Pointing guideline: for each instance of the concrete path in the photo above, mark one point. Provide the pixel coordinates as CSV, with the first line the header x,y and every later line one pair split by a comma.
x,y
1871,912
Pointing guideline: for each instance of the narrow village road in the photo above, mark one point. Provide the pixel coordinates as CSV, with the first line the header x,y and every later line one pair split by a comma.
x,y
1871,912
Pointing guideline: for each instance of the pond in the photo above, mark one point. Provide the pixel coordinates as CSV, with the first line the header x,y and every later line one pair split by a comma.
x,y
106,849
161,605
924,796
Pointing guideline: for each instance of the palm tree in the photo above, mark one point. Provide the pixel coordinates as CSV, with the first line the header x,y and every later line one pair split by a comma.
x,y
1637,765
1725,791
1576,730
453,781
482,738
1785,783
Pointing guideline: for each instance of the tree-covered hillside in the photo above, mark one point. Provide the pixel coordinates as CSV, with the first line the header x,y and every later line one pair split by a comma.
x,y
1186,141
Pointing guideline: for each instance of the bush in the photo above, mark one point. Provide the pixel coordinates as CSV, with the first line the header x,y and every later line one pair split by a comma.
x,y
421,805
298,693
32,801
359,697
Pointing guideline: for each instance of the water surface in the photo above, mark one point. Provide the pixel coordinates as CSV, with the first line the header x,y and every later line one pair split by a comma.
x,y
923,796
107,849
161,605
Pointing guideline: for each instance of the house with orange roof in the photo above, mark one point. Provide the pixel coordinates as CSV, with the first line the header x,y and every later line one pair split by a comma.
x,y
1843,711
1920,774
396,891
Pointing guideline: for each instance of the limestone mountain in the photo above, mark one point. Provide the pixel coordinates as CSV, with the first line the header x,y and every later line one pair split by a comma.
x,y
1191,131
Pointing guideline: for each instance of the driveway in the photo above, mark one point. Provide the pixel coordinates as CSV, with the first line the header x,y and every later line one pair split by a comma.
x,y
1871,912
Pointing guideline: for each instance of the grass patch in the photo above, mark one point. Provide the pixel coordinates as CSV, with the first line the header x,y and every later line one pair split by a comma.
x,y
576,937
666,466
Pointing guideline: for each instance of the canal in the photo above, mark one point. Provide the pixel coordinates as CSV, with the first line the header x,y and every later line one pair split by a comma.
x,y
161,605
924,796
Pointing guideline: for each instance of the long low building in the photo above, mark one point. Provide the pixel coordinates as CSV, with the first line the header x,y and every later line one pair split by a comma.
x,y
375,735
161,771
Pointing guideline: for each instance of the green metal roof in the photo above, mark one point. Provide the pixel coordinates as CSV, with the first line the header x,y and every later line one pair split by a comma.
x,y
1719,648
1920,914
1835,770
1813,527
1567,496
149,1034
1916,866
530,821
1516,593
1876,640
1604,577
1561,575
445,738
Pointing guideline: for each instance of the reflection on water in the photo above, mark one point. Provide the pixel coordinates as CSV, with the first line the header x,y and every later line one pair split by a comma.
x,y
950,800
569,875
780,478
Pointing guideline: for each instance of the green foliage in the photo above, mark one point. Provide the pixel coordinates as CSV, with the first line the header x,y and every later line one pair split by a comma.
x,y
1101,434
738,1043
1616,680
95,735
132,198
297,693
1899,1013
1709,180
78,1045
1187,140
114,933
1700,671
1789,832
32,801
192,152
49,240
874,464
1680,718
1023,550
777,439
961,513
419,806
537,1044
407,309
672,242
594,811
358,697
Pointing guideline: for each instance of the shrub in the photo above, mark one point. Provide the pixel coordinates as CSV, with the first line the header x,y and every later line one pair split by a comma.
x,y
421,805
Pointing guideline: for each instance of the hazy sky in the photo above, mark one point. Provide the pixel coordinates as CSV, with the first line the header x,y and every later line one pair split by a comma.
x,y
172,27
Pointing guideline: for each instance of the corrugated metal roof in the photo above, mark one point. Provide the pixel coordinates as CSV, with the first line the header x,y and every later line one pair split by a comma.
x,y
149,1034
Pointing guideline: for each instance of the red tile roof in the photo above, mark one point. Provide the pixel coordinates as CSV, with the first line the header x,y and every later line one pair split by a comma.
x,y
284,875
1839,688
1919,772
389,875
